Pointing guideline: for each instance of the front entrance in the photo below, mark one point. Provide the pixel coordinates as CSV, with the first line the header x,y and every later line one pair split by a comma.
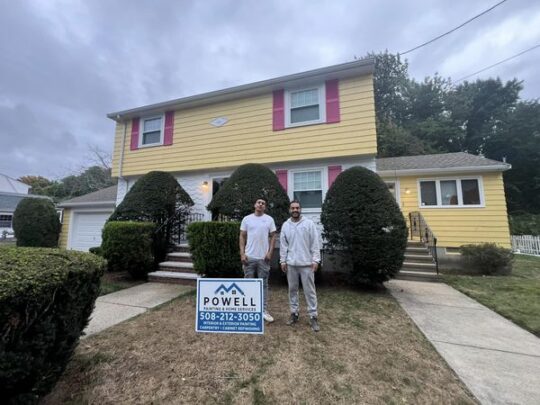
x,y
217,183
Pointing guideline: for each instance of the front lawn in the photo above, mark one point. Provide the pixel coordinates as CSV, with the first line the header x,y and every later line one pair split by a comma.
x,y
516,297
368,351
111,282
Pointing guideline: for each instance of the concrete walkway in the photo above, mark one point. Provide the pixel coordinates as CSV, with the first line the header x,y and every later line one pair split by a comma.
x,y
119,306
497,360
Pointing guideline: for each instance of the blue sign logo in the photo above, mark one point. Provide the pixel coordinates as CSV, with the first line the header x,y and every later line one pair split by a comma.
x,y
233,288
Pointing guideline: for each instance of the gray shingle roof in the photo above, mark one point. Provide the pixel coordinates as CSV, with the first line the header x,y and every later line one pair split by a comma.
x,y
9,201
105,195
440,161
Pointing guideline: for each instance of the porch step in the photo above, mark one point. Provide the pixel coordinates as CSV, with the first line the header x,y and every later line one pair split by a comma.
x,y
173,277
179,257
417,257
418,265
176,267
418,276
182,247
415,244
416,250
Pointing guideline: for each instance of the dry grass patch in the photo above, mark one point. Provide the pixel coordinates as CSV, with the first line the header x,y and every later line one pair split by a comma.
x,y
368,351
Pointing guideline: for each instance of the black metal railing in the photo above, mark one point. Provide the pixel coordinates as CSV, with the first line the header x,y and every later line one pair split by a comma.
x,y
418,227
177,225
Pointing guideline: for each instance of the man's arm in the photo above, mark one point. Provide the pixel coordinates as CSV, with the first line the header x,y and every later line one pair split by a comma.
x,y
283,249
315,248
268,256
242,246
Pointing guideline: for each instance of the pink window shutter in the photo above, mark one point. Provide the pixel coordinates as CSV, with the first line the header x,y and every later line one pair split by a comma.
x,y
169,127
282,178
332,101
333,172
134,134
278,110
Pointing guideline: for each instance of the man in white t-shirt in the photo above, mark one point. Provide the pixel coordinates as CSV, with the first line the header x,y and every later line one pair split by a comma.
x,y
257,239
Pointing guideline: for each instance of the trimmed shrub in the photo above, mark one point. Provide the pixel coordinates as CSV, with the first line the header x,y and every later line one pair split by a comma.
x,y
156,197
364,225
46,298
214,248
36,223
487,258
127,246
236,198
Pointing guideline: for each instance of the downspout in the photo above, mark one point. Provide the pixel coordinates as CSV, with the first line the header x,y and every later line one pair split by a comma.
x,y
122,149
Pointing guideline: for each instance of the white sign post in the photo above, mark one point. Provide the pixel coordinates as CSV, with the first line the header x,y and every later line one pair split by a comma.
x,y
230,305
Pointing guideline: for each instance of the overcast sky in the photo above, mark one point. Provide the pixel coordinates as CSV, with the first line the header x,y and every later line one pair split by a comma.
x,y
65,64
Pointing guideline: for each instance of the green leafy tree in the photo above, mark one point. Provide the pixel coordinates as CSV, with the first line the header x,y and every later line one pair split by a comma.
x,y
36,223
364,225
236,198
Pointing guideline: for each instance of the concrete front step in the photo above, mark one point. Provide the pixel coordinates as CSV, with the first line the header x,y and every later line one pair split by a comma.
x,y
173,277
410,257
418,276
415,243
418,265
417,250
179,257
182,247
177,267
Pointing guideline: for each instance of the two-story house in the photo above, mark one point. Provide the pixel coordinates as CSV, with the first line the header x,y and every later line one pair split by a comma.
x,y
306,127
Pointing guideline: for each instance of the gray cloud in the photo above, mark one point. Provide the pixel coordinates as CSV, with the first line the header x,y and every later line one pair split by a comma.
x,y
65,65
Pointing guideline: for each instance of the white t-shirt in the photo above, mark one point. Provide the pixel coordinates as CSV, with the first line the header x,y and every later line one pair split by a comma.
x,y
258,229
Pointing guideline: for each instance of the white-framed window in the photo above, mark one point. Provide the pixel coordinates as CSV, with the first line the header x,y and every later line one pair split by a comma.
x,y
151,131
6,220
307,187
451,192
305,106
393,187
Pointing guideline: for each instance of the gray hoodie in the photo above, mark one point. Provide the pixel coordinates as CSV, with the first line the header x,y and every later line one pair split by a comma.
x,y
299,243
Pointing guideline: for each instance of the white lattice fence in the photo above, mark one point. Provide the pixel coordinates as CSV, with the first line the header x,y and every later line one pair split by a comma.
x,y
527,244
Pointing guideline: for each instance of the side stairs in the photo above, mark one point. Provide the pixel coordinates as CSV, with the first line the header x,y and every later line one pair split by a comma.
x,y
177,269
419,264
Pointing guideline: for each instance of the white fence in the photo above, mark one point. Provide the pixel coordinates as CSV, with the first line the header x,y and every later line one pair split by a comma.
x,y
526,244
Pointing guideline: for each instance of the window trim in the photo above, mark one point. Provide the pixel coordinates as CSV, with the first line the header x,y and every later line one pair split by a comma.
x,y
7,214
321,87
161,135
324,185
458,180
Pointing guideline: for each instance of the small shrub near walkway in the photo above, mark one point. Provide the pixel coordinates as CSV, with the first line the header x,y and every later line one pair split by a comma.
x,y
368,352
516,297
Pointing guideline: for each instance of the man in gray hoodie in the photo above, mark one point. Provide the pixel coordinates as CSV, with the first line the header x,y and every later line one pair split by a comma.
x,y
299,258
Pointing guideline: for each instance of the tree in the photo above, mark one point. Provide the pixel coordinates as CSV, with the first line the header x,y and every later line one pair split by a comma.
x,y
236,198
364,225
36,223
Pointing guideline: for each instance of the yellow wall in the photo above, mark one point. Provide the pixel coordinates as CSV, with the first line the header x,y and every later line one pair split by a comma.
x,y
454,227
248,135
65,229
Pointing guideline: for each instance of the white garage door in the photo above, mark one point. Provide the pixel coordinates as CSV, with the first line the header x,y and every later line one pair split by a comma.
x,y
86,231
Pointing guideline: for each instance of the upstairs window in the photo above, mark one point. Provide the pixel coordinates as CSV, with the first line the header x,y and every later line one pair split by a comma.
x,y
305,106
450,193
307,188
5,220
151,131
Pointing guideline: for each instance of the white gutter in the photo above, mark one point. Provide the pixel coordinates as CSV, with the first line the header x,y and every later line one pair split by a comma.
x,y
466,169
121,164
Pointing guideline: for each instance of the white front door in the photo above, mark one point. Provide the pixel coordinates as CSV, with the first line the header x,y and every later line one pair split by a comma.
x,y
86,230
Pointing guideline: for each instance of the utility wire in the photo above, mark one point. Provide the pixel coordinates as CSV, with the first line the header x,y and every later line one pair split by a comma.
x,y
498,63
455,29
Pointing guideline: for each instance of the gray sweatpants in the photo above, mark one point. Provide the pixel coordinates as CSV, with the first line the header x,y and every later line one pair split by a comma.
x,y
259,268
294,273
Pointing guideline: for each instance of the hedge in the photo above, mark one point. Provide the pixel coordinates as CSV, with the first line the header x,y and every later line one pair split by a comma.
x,y
36,223
214,248
363,223
46,298
127,246
487,259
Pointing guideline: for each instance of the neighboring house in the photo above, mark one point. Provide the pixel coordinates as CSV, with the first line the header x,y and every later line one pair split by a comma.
x,y
84,218
307,128
11,193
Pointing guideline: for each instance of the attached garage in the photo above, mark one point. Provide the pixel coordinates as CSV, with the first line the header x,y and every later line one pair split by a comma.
x,y
84,218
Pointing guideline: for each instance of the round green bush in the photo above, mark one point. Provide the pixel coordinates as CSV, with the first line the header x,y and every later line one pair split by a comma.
x,y
236,198
364,225
487,259
214,248
46,298
156,197
36,223
128,246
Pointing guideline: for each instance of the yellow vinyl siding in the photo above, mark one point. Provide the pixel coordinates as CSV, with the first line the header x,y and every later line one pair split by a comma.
x,y
248,135
454,227
62,242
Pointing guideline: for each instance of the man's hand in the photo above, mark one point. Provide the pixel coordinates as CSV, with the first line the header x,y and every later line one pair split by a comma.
x,y
284,267
268,257
243,258
314,267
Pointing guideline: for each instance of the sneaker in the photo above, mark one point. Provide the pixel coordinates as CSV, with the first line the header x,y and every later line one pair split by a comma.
x,y
267,317
314,324
293,319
